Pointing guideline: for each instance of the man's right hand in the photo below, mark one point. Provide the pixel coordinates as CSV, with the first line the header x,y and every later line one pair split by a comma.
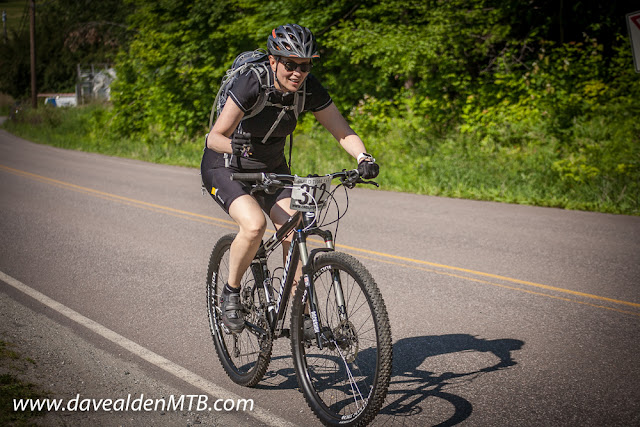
x,y
241,144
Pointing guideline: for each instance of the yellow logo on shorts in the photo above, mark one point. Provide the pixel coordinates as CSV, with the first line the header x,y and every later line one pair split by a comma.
x,y
214,190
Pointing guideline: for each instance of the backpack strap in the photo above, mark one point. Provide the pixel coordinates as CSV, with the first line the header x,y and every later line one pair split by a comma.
x,y
298,101
296,106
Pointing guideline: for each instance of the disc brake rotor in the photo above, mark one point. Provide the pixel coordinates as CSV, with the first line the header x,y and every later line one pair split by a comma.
x,y
347,339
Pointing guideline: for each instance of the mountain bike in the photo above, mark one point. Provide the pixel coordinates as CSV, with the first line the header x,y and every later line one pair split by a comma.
x,y
343,360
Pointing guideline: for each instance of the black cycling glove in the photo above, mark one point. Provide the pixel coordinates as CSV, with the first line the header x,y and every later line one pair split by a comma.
x,y
368,168
241,144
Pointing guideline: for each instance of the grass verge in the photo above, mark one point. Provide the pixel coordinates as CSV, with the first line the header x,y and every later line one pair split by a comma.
x,y
596,172
12,387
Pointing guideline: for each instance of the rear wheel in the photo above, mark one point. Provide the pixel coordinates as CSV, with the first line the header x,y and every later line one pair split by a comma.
x,y
244,356
346,382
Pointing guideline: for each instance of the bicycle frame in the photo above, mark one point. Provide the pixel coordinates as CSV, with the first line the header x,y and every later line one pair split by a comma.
x,y
298,251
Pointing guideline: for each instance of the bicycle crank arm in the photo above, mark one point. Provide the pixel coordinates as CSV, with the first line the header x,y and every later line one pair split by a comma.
x,y
256,330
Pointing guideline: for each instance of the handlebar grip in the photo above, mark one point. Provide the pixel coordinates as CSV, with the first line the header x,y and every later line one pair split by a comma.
x,y
255,176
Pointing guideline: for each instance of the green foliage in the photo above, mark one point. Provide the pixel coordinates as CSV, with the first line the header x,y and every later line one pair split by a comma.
x,y
572,98
433,48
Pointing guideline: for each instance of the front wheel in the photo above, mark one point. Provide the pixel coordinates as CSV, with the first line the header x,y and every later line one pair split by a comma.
x,y
244,356
346,382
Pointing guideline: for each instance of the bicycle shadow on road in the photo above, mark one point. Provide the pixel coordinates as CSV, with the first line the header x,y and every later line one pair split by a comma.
x,y
412,385
281,375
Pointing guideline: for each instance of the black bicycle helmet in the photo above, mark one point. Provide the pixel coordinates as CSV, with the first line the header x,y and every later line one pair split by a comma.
x,y
292,41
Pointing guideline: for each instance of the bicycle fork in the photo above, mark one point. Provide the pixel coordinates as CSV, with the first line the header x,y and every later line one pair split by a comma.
x,y
307,258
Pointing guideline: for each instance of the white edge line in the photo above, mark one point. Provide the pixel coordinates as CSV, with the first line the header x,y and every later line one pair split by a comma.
x,y
146,354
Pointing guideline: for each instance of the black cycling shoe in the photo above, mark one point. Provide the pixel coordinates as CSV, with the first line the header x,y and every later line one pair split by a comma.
x,y
308,333
231,308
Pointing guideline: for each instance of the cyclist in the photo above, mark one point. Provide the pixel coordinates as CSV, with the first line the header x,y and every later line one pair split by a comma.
x,y
291,50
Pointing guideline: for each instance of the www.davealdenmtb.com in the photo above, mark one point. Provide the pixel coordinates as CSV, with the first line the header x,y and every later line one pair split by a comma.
x,y
343,361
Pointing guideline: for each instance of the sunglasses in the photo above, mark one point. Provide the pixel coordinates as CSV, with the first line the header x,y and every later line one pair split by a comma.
x,y
290,66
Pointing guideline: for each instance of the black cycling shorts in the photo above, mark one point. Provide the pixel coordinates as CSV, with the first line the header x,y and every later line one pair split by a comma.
x,y
218,183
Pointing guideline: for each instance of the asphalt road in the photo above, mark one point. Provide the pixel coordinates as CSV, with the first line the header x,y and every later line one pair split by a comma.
x,y
501,314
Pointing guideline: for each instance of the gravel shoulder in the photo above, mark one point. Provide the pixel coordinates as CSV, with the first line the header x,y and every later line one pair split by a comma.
x,y
65,365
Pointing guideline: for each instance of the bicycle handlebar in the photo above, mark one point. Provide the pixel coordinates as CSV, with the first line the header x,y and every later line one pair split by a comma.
x,y
348,177
271,182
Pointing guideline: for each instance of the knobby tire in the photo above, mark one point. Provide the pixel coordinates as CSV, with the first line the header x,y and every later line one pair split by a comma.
x,y
246,361
346,384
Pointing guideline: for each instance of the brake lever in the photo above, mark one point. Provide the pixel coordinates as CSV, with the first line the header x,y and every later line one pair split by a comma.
x,y
258,188
269,186
362,181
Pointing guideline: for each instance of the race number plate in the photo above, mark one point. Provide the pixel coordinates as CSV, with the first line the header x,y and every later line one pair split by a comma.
x,y
310,193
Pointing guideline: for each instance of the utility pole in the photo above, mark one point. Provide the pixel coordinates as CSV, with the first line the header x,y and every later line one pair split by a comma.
x,y
32,39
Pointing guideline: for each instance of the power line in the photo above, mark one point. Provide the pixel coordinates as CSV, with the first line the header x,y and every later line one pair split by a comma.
x,y
24,19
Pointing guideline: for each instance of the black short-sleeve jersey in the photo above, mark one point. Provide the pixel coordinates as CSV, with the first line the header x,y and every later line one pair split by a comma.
x,y
244,93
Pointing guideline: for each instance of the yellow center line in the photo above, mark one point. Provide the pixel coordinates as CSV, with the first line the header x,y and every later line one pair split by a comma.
x,y
493,276
228,223
103,194
472,279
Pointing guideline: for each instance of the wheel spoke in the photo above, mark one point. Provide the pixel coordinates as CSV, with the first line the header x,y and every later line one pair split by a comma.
x,y
352,382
